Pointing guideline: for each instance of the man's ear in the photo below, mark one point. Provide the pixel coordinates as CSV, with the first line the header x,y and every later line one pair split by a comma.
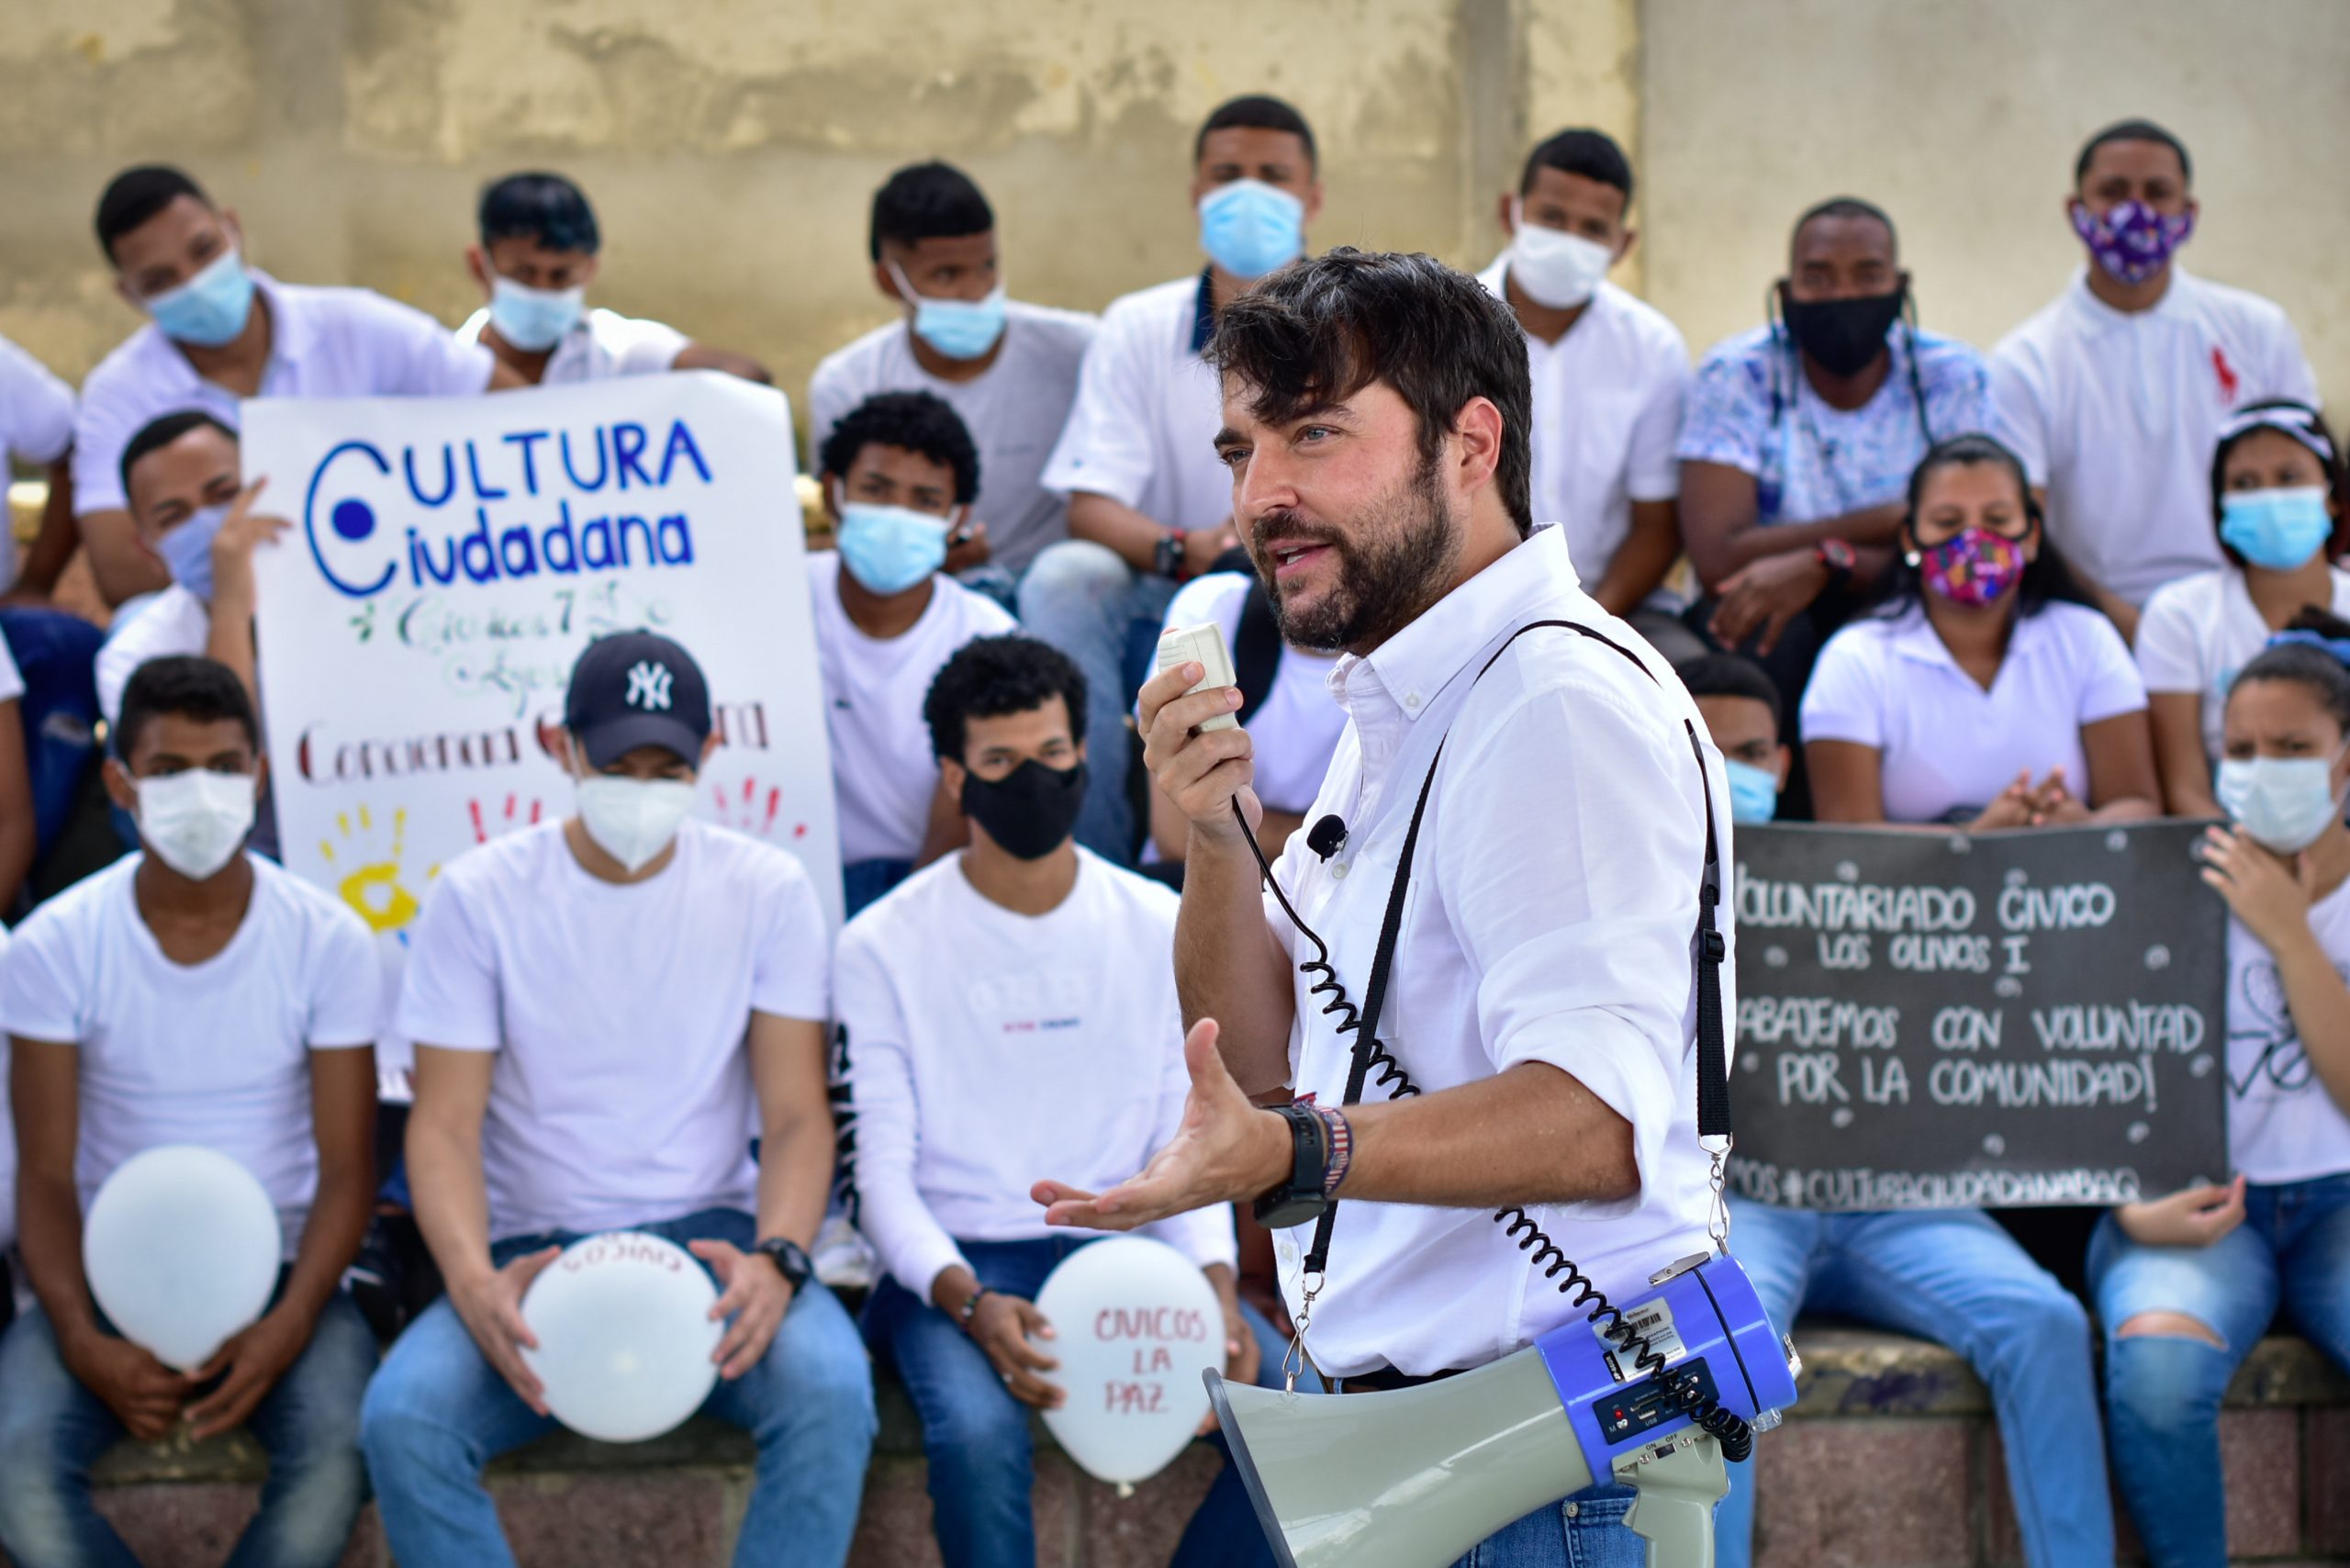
x,y
951,775
1786,761
1505,209
261,775
888,284
830,483
709,750
1624,246
478,268
1312,201
1477,430
120,788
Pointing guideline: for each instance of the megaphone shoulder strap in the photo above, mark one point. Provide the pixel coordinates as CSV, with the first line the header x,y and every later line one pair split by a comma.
x,y
1367,1051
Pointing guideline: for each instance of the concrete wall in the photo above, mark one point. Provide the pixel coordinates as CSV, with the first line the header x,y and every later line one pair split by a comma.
x,y
1962,119
732,145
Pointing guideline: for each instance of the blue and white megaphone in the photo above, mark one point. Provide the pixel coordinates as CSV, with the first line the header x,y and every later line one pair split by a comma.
x,y
1414,1478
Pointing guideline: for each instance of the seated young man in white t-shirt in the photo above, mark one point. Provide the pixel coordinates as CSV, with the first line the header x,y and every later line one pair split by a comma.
x,y
1020,975
219,331
181,478
190,994
899,474
1007,368
536,256
598,1005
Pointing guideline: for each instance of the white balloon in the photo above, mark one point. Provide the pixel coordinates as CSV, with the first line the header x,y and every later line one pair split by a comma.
x,y
181,1246
1136,1323
624,1334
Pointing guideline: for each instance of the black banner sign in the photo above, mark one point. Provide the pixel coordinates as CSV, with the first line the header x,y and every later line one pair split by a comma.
x,y
1938,1020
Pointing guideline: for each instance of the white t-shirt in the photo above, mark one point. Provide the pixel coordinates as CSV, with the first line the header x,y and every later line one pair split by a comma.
x,y
1946,742
622,1094
2199,632
1014,410
984,1050
1295,729
7,1131
173,622
2282,1125
884,776
601,344
216,1053
2117,415
324,342
35,426
1608,401
1143,430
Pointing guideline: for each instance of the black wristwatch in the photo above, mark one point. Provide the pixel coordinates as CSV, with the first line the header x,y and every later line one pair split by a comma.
x,y
791,1259
1837,557
1167,555
1300,1199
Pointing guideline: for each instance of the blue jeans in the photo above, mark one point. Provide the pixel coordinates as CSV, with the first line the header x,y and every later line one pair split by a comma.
x,y
974,1434
52,1429
2162,1390
438,1412
1586,1531
56,654
1084,600
1952,1276
864,881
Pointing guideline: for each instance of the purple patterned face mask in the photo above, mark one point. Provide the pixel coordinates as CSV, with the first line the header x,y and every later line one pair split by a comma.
x,y
2132,241
1973,566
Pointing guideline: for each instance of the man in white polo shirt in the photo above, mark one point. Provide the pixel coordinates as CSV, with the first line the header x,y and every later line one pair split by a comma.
x,y
1545,989
1008,367
2114,393
1148,505
1019,973
193,993
37,426
221,329
899,472
1610,375
598,1005
537,254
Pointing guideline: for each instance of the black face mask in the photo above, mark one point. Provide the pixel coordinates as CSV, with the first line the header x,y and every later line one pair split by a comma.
x,y
1030,809
1842,335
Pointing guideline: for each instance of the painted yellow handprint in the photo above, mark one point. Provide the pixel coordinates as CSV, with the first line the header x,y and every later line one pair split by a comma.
x,y
373,888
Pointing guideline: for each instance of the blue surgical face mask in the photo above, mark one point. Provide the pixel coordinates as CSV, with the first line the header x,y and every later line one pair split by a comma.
x,y
959,329
1753,792
2278,529
1250,227
210,309
534,319
2282,802
890,549
186,549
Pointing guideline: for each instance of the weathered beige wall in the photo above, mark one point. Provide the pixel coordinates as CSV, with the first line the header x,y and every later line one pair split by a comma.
x,y
1961,118
731,146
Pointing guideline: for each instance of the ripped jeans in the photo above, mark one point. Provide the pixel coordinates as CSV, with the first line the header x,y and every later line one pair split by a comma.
x,y
2163,1391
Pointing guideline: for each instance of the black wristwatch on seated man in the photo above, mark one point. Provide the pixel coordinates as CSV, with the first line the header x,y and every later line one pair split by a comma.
x,y
791,1259
1305,1195
1167,555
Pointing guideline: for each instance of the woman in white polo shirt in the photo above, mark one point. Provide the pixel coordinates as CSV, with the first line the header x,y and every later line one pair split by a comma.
x,y
1985,692
2187,1284
2277,482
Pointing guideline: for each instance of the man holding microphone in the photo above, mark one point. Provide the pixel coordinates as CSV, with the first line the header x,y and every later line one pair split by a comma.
x,y
1540,797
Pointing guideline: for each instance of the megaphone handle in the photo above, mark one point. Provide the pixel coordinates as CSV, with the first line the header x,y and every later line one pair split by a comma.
x,y
1672,1507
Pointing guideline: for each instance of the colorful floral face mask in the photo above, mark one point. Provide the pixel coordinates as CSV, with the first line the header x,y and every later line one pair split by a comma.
x,y
2132,241
1973,566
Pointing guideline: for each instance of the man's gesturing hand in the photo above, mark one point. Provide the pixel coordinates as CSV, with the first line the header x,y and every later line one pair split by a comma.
x,y
1226,1149
1202,771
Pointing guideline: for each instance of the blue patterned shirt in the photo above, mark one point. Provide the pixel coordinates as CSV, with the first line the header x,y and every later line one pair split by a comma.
x,y
1752,408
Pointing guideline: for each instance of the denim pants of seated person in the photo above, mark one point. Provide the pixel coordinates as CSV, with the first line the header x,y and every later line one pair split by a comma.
x,y
1083,599
2162,1390
52,1429
1952,1276
438,1412
974,1434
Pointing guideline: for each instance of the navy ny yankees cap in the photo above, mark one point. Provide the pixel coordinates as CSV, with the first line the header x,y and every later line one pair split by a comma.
x,y
636,689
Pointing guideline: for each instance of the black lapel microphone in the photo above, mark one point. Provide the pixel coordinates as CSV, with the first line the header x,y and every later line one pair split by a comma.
x,y
1326,836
